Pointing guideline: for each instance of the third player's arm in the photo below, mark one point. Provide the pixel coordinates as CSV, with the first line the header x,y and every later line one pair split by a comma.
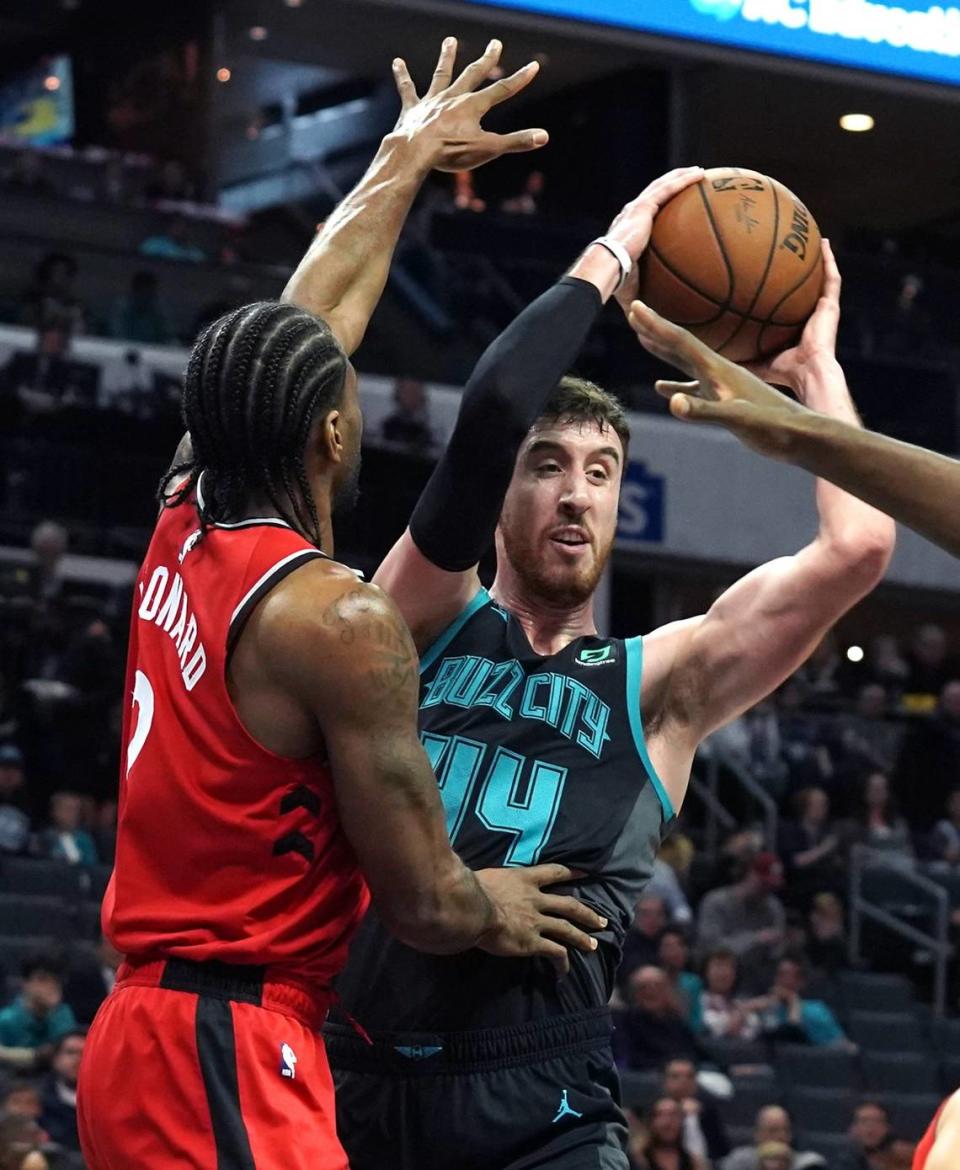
x,y
350,662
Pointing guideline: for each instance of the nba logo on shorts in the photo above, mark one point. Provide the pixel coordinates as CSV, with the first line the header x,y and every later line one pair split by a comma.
x,y
288,1062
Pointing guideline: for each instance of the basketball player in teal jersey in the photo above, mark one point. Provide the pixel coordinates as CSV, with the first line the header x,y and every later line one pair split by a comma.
x,y
551,743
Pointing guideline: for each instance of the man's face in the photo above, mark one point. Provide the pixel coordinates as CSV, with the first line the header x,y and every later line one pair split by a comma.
x,y
790,976
673,952
773,1125
650,989
559,517
66,1063
650,917
43,991
870,1127
680,1080
666,1122
11,778
24,1102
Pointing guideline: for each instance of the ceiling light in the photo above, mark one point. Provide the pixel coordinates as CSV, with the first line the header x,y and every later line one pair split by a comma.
x,y
51,83
224,74
855,654
857,123
258,33
293,3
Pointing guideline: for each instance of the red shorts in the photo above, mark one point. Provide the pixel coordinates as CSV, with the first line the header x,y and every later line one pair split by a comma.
x,y
203,1066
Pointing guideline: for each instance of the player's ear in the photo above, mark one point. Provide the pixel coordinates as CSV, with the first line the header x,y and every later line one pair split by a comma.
x,y
330,438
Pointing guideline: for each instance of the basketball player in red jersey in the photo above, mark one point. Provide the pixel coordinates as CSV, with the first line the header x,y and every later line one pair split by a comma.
x,y
939,1148
273,768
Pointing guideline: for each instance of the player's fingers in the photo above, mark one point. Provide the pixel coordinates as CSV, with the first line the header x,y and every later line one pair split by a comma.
x,y
667,341
404,82
662,190
444,70
477,71
516,143
667,389
691,409
556,954
565,932
563,906
832,281
494,94
551,873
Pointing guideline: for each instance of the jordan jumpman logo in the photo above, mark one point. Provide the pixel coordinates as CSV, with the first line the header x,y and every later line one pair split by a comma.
x,y
565,1109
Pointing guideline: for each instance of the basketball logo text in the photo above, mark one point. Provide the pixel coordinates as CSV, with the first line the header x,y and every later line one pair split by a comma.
x,y
798,237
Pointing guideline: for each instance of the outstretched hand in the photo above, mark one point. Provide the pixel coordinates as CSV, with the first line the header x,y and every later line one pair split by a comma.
x,y
722,393
446,120
818,342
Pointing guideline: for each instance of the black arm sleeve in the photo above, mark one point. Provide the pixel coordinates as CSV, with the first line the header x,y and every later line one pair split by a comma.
x,y
456,516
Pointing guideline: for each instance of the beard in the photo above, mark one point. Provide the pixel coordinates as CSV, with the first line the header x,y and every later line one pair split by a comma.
x,y
556,584
348,492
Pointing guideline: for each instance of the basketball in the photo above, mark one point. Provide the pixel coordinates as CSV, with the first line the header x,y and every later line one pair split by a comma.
x,y
735,259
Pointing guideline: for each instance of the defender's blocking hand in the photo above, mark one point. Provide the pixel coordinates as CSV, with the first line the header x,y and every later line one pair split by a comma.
x,y
445,122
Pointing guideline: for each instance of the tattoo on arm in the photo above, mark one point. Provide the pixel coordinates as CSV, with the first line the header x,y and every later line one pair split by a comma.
x,y
388,645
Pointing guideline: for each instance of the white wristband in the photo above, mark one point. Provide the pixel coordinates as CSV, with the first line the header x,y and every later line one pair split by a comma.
x,y
620,254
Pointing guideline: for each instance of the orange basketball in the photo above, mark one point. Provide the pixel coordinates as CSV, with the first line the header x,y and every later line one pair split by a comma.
x,y
735,259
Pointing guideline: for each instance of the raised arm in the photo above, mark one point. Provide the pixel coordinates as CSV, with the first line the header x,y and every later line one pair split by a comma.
x,y
917,487
340,648
760,630
341,278
431,573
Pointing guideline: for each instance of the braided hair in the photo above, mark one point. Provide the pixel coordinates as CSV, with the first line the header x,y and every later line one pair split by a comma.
x,y
256,381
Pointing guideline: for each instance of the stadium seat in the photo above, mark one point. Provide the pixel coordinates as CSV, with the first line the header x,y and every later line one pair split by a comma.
x,y
638,1089
830,1146
88,920
863,992
750,1094
96,878
821,1110
902,1072
823,1068
24,875
14,949
734,1052
945,1035
910,1113
30,915
886,1032
950,1073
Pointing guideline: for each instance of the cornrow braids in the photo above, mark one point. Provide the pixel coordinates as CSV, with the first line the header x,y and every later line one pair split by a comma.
x,y
256,381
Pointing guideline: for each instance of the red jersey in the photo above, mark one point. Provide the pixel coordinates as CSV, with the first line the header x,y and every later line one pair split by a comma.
x,y
925,1144
224,850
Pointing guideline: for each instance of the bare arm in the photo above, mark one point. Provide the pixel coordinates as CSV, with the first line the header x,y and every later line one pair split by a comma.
x,y
759,631
945,1154
343,274
349,661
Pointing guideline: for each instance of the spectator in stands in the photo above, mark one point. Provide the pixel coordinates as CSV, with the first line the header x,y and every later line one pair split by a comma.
x,y
803,748
826,934
91,978
48,544
788,1016
105,831
879,825
664,1148
904,329
22,1098
173,243
811,848
528,201
652,1029
408,425
171,185
930,668
38,1017
465,197
674,956
820,677
866,741
945,839
871,1139
20,1141
138,315
887,664
67,839
641,946
671,867
50,304
113,186
747,917
59,1116
14,817
29,175
703,1128
725,1017
772,1125
929,762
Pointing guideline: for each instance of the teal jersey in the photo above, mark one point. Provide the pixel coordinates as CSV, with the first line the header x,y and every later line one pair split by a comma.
x,y
538,758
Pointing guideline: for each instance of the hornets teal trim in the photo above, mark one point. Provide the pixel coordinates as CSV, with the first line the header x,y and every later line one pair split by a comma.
x,y
634,649
438,647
